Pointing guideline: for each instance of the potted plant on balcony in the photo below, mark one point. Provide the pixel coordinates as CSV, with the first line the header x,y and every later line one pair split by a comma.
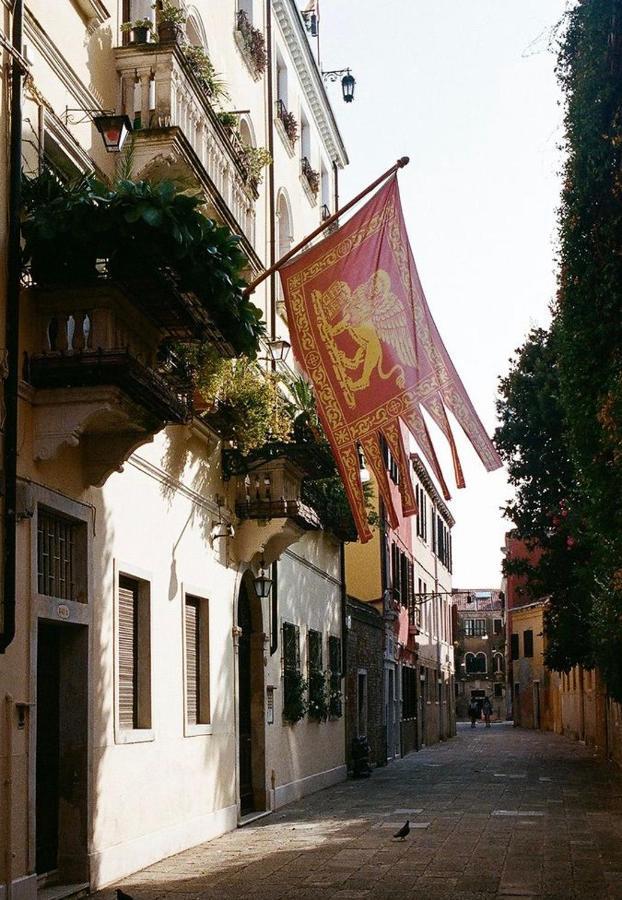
x,y
255,159
170,21
139,30
200,63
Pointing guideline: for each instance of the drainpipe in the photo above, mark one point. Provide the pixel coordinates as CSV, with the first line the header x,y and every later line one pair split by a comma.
x,y
274,637
271,194
274,610
12,335
336,183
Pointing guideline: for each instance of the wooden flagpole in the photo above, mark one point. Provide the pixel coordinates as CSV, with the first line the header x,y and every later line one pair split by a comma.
x,y
280,262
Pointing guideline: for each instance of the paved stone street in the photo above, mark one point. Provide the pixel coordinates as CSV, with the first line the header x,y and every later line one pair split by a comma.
x,y
494,813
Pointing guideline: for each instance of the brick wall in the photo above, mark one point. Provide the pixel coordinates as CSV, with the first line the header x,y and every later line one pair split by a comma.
x,y
365,652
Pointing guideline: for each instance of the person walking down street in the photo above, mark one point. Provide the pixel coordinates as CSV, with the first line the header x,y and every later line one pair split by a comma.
x,y
487,710
473,712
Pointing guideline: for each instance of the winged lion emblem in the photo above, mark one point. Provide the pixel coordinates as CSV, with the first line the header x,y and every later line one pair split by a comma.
x,y
370,315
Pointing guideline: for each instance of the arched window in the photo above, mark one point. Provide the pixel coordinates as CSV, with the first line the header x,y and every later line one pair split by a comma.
x,y
475,663
285,235
499,662
195,30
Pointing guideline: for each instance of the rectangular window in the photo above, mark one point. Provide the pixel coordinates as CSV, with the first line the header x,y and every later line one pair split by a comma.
x,y
334,663
475,627
515,649
292,707
61,556
197,661
134,642
498,690
528,643
498,626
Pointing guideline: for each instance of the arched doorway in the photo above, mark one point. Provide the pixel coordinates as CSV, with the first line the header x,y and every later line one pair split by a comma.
x,y
251,729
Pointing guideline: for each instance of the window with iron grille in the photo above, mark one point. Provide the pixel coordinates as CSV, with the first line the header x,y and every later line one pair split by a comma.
x,y
334,663
294,685
61,556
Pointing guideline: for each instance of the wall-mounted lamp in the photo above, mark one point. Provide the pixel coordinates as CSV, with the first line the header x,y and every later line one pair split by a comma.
x,y
113,128
278,349
347,82
263,582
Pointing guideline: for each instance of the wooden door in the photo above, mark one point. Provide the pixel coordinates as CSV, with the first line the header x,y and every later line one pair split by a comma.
x,y
48,748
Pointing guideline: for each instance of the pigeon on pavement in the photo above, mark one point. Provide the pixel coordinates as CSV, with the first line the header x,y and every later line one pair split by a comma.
x,y
398,834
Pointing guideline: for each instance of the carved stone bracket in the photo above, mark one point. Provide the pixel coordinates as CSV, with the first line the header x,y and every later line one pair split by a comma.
x,y
257,540
101,420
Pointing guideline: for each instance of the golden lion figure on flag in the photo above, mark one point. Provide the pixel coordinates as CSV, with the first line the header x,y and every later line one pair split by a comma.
x,y
370,315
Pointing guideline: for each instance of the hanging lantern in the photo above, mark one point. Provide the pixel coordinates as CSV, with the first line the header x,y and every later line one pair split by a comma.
x,y
347,86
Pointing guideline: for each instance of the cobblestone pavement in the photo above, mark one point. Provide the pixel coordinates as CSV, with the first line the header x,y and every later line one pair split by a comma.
x,y
497,812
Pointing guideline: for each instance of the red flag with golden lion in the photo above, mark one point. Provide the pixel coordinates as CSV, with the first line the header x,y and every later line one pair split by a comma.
x,y
362,330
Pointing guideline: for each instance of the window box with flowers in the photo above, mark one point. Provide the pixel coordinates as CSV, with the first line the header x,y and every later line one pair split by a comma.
x,y
138,30
310,179
252,44
287,126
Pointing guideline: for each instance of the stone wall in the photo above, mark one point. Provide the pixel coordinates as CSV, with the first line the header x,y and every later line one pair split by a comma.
x,y
365,655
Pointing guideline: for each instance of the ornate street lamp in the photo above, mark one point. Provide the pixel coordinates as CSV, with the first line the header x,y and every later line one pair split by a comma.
x,y
114,131
347,86
279,348
113,128
347,82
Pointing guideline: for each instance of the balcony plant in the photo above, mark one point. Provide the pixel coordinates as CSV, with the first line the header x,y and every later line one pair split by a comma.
x,y
141,230
313,177
201,65
243,403
255,159
228,120
253,41
290,126
170,20
139,29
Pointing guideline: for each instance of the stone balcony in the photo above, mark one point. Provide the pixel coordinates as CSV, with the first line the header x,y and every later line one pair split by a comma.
x,y
270,509
178,135
95,377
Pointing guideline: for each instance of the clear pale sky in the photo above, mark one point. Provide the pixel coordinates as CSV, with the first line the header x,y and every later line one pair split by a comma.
x,y
466,88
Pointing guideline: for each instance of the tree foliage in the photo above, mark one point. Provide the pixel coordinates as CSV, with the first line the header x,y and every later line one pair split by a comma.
x,y
561,404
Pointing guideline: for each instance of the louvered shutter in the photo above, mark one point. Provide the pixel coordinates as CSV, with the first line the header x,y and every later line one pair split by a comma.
x,y
192,662
128,653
